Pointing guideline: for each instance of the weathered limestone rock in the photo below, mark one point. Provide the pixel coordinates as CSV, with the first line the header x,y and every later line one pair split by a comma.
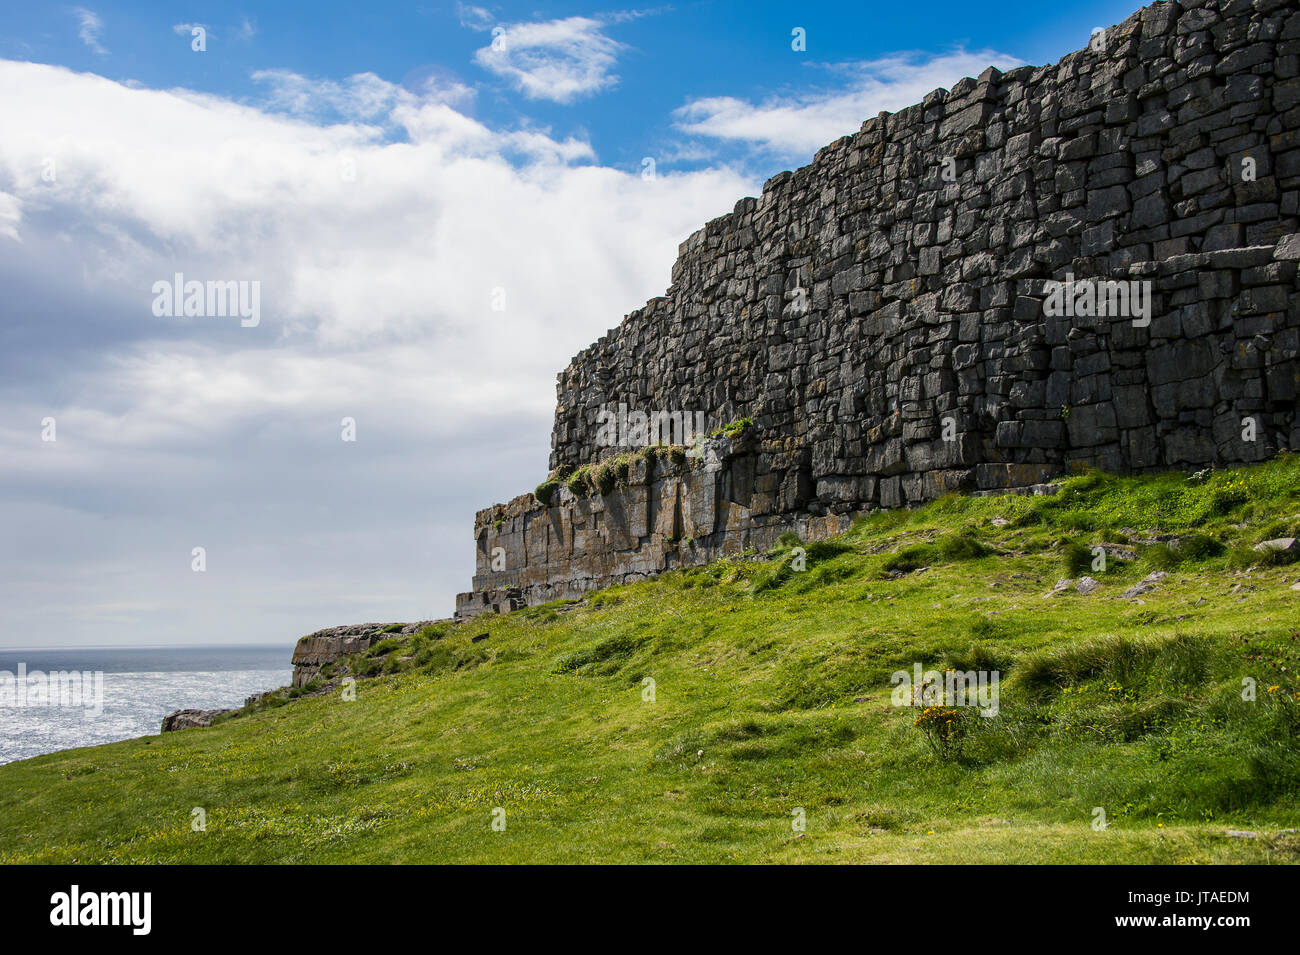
x,y
1278,544
667,515
190,719
1092,263
1144,586
334,643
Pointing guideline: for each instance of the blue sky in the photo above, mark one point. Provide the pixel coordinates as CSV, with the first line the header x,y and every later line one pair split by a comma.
x,y
661,57
435,228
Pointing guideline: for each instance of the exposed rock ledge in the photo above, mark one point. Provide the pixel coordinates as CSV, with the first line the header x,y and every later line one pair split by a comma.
x,y
326,646
312,652
190,719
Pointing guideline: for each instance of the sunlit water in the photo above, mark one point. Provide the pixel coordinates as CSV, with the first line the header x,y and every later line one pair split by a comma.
x,y
141,685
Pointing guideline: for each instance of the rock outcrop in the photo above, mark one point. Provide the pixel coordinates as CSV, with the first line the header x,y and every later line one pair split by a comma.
x,y
665,514
334,643
190,719
1092,263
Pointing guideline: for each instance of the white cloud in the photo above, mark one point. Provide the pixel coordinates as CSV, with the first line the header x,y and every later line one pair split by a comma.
x,y
91,26
474,18
799,125
363,96
10,215
558,60
376,302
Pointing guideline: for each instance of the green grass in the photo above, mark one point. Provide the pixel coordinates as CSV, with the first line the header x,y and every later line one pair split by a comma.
x,y
771,693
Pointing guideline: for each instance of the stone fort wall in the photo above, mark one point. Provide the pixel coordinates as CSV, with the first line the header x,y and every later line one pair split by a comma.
x,y
895,320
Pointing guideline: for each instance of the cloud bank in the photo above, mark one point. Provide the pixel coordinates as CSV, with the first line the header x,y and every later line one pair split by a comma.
x,y
420,273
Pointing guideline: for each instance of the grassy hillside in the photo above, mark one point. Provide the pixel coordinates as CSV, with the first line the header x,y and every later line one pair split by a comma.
x,y
772,693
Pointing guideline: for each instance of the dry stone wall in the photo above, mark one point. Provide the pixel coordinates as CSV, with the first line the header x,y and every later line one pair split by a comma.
x,y
912,313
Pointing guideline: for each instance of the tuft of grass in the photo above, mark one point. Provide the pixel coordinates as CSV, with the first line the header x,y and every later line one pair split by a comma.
x,y
735,428
545,491
578,482
949,548
1076,559
1179,660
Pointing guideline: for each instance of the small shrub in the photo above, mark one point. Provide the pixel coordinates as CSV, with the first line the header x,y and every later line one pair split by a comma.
x,y
945,729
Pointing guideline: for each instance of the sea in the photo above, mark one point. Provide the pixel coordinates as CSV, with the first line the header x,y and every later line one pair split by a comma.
x,y
140,685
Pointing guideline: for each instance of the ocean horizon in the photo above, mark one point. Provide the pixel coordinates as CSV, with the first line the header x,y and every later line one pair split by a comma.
x,y
127,691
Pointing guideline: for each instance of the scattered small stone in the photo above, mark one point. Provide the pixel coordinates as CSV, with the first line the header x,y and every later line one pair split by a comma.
x,y
1061,587
1145,585
1087,585
1118,552
1242,834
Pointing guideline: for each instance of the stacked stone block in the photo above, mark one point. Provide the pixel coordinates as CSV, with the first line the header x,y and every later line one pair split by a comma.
x,y
882,313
